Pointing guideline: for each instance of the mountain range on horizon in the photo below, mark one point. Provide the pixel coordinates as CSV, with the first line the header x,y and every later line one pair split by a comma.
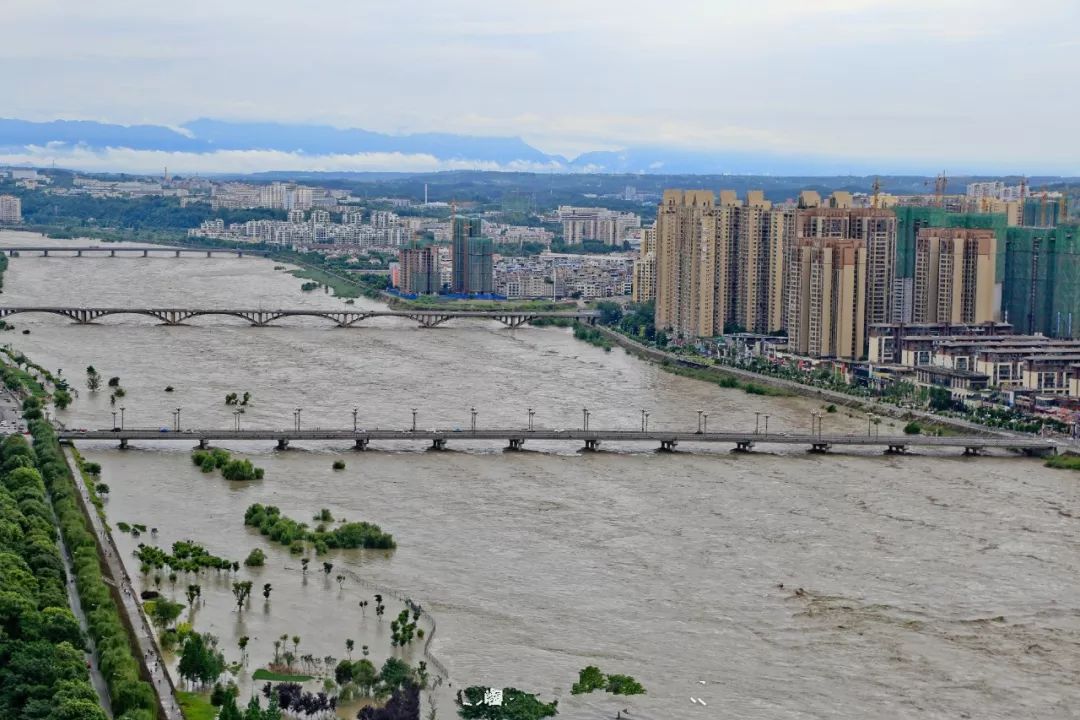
x,y
220,147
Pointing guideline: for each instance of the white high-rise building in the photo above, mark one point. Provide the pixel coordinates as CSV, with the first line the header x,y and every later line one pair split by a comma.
x,y
10,210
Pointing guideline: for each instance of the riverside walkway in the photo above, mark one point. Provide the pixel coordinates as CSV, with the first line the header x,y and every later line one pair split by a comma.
x,y
341,318
515,438
150,654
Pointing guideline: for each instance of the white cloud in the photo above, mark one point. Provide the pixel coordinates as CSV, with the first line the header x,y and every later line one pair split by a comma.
x,y
245,161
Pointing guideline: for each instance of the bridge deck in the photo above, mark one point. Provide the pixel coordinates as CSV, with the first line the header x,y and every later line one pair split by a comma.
x,y
971,442
172,251
262,316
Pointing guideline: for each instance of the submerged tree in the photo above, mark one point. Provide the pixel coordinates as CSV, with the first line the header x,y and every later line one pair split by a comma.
x,y
93,379
241,591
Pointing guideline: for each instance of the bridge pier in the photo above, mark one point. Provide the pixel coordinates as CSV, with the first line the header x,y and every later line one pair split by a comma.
x,y
438,444
203,443
361,444
973,451
592,445
45,253
744,446
516,444
207,253
820,447
78,253
177,253
668,445
283,443
896,450
123,443
1039,452
239,253
146,253
112,253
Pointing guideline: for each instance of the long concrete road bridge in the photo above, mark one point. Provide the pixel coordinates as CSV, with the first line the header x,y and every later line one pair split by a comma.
x,y
99,250
341,318
515,438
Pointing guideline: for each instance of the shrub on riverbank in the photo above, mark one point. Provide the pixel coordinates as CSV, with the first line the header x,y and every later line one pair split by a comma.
x,y
286,531
592,336
724,380
1064,462
912,428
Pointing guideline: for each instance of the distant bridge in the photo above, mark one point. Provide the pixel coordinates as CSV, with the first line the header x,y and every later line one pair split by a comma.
x,y
341,318
160,250
515,438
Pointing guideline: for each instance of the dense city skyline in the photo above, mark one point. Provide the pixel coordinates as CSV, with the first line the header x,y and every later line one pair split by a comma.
x,y
887,86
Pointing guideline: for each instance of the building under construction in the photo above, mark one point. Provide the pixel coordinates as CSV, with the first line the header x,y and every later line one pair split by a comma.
x,y
910,220
1041,288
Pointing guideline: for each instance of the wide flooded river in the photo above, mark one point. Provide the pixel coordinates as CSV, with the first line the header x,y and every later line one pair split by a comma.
x,y
793,585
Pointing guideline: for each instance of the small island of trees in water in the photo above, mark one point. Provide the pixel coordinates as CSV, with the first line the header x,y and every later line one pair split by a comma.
x,y
231,469
270,522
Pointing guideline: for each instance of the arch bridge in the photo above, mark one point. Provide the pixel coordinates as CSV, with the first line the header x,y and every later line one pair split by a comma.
x,y
340,318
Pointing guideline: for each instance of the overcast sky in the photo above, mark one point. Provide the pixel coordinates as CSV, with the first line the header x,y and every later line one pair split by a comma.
x,y
953,82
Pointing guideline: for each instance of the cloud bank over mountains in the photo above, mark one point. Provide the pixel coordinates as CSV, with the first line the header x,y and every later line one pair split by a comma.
x,y
221,147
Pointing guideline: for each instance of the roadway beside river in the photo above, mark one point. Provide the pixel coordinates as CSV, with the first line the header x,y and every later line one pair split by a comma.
x,y
830,396
151,658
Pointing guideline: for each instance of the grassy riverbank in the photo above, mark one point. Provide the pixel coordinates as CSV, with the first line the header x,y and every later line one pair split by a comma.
x,y
724,380
1064,462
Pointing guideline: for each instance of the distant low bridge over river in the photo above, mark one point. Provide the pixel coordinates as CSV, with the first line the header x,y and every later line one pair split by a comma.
x,y
341,318
515,438
98,250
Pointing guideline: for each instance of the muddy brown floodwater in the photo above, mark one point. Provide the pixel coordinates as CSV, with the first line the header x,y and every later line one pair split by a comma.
x,y
933,585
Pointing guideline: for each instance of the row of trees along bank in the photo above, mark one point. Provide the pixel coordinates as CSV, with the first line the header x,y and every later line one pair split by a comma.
x,y
53,669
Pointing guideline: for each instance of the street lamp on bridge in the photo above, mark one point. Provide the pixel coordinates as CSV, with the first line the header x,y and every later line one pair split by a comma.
x,y
354,413
645,426
472,411
531,413
414,419
177,419
236,420
766,426
757,419
699,414
121,417
114,425
296,418
705,423
585,418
